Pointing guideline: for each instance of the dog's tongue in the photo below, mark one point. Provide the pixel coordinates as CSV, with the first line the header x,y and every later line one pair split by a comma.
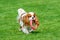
x,y
31,24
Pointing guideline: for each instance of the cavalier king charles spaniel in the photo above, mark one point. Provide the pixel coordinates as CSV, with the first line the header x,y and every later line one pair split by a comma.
x,y
28,21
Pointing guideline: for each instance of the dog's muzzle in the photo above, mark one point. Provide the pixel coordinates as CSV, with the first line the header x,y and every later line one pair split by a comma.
x,y
33,18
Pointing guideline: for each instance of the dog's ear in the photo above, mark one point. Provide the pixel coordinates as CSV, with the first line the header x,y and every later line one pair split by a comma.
x,y
25,19
35,15
36,20
29,15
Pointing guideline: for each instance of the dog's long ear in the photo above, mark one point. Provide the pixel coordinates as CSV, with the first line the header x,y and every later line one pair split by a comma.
x,y
25,19
36,20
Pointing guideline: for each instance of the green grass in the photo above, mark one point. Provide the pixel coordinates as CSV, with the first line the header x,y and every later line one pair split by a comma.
x,y
48,12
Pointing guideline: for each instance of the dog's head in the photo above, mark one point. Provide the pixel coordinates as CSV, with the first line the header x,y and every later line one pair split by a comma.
x,y
30,16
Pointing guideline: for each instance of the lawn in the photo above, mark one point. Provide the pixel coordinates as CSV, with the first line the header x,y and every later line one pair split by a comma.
x,y
48,12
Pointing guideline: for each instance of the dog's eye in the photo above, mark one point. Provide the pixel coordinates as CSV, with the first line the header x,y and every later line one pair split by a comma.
x,y
34,16
29,16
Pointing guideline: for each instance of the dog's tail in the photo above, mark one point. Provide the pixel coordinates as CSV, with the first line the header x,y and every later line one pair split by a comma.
x,y
21,11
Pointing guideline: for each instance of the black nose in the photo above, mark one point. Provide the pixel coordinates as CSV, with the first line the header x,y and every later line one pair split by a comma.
x,y
32,17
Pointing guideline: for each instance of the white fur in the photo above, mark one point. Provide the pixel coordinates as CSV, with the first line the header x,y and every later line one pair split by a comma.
x,y
32,13
20,12
24,29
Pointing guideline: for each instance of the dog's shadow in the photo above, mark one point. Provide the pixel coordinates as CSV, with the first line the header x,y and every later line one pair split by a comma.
x,y
35,32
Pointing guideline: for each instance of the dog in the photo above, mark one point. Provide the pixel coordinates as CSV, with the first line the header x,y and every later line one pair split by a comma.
x,y
24,19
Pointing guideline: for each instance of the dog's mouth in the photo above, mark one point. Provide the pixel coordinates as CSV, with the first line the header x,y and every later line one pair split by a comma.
x,y
32,24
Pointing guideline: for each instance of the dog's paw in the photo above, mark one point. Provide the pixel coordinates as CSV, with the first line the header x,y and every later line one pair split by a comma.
x,y
25,31
31,30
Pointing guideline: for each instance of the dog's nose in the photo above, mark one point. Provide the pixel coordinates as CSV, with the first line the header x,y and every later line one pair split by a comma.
x,y
32,17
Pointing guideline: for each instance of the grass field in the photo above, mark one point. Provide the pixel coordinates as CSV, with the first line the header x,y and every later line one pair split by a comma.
x,y
48,12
